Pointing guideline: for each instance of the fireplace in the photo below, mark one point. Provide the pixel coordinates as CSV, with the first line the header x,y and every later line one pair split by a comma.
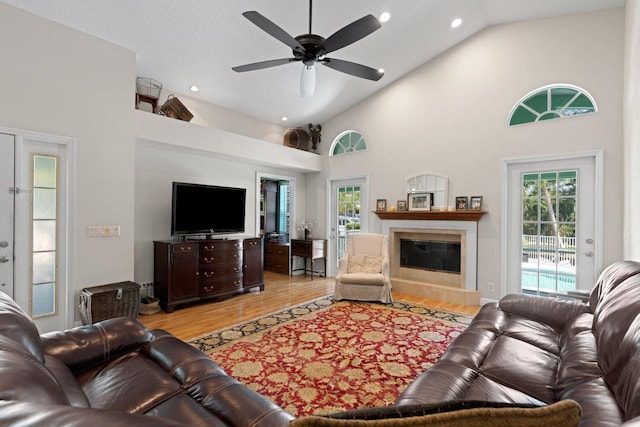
x,y
451,278
432,255
426,253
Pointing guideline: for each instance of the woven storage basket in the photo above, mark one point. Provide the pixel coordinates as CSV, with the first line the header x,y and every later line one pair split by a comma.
x,y
103,302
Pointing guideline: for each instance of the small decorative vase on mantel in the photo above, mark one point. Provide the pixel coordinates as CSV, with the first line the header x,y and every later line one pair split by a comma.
x,y
307,235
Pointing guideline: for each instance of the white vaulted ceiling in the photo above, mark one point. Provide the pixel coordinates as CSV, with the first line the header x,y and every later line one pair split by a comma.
x,y
187,42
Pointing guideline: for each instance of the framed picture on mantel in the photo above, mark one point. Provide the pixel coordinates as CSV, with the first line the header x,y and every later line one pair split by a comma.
x,y
462,203
420,201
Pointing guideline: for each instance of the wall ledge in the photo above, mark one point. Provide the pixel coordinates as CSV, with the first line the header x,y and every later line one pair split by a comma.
x,y
155,128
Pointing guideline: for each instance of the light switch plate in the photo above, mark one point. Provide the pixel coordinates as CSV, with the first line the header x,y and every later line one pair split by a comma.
x,y
103,230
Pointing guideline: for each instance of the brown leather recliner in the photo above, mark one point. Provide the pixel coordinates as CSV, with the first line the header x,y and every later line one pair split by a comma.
x,y
534,350
116,372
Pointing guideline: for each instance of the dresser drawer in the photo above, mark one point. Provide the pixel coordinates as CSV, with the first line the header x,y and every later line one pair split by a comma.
x,y
184,248
222,270
220,245
218,287
233,257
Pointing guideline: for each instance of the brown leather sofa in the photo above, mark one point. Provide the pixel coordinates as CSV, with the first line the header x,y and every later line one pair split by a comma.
x,y
519,353
116,372
533,350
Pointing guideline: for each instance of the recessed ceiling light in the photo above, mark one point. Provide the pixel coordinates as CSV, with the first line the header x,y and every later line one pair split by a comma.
x,y
456,23
284,118
385,16
194,88
381,70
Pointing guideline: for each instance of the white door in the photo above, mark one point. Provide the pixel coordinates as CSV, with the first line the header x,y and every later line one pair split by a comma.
x,y
348,197
552,245
6,212
34,221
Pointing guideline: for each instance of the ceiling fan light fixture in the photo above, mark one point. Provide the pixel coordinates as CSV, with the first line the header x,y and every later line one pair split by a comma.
x,y
384,16
307,81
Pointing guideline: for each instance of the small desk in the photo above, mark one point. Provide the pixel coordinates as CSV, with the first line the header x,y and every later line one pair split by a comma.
x,y
309,249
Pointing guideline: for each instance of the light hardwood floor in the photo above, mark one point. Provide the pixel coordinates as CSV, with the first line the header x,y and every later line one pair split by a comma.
x,y
280,292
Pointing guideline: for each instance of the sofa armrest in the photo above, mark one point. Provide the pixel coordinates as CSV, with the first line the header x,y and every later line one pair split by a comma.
x,y
85,346
547,310
25,414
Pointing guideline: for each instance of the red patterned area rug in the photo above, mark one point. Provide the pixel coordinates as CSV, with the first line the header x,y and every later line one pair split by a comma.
x,y
326,356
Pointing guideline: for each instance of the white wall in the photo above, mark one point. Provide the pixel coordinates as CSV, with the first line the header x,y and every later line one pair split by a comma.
x,y
158,165
58,81
450,116
632,131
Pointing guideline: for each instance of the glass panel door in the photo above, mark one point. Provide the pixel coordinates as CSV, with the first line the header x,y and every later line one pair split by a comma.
x,y
348,203
549,202
551,244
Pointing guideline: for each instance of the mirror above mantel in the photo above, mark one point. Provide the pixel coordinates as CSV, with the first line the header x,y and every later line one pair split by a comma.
x,y
430,182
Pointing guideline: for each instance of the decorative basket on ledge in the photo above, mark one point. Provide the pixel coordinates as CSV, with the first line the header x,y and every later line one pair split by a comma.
x,y
175,109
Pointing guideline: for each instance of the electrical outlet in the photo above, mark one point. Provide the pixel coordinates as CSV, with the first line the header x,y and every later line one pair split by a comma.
x,y
491,287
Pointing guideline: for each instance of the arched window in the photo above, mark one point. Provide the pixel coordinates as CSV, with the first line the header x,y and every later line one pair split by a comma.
x,y
348,141
552,102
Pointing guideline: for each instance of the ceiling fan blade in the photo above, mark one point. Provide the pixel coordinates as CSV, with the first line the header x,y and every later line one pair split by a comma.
x,y
351,33
263,64
308,80
273,30
353,69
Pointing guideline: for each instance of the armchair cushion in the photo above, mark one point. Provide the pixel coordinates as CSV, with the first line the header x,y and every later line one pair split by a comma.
x,y
365,264
367,279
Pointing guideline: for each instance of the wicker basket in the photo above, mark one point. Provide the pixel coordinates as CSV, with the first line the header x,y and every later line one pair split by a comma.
x,y
103,302
175,109
151,307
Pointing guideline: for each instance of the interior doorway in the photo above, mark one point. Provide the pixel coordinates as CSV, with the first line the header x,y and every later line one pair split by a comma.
x,y
275,202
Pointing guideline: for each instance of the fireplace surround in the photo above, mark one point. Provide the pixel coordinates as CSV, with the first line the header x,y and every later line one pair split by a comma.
x,y
452,227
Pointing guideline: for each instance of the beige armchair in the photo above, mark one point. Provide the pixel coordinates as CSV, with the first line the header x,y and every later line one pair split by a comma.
x,y
363,272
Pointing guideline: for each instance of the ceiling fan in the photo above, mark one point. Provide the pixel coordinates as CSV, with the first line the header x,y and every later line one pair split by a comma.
x,y
311,49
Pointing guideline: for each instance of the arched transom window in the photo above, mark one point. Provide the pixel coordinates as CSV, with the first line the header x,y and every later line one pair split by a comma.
x,y
348,141
552,102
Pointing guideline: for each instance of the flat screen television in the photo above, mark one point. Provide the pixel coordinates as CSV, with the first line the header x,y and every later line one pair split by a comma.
x,y
206,209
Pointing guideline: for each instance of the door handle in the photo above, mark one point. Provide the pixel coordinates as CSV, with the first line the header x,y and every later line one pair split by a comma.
x,y
587,254
4,259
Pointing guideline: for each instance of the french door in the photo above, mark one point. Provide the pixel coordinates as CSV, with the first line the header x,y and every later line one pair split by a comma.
x,y
552,239
348,215
7,146
33,228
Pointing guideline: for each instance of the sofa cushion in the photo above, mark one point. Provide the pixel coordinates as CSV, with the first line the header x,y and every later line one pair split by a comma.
x,y
16,324
452,414
610,278
67,382
612,318
624,375
23,377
